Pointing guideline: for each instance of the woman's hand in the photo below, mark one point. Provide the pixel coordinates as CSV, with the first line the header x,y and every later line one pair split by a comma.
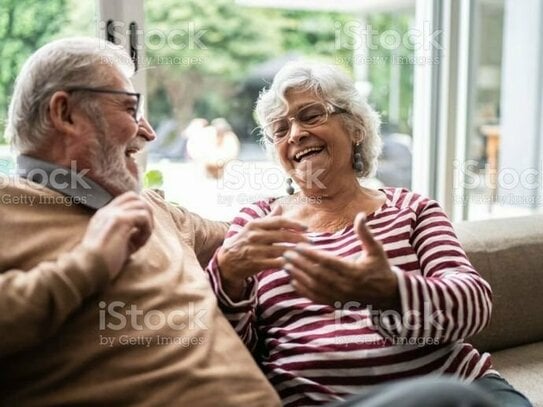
x,y
328,279
259,246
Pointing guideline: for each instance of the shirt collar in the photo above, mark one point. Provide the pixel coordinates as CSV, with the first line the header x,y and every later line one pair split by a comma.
x,y
68,181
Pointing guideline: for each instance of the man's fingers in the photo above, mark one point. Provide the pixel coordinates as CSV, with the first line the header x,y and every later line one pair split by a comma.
x,y
119,229
132,206
129,222
141,228
128,200
364,234
127,196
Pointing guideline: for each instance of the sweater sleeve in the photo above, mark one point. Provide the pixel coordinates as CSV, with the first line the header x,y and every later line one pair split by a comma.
x,y
448,300
208,236
241,314
36,302
203,235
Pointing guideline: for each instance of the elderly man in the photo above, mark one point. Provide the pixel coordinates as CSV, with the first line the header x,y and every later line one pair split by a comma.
x,y
102,296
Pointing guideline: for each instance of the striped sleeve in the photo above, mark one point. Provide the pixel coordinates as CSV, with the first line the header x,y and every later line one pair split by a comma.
x,y
241,314
448,300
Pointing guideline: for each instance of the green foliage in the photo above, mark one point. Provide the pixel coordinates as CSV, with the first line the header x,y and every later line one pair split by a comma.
x,y
200,53
380,73
153,179
25,25
206,77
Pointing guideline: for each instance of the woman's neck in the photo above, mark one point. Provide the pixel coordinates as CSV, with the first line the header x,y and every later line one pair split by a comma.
x,y
333,208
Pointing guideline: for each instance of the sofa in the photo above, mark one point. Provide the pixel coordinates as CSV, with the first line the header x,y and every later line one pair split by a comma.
x,y
509,255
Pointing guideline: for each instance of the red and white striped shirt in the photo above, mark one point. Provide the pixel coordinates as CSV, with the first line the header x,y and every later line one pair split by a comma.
x,y
314,354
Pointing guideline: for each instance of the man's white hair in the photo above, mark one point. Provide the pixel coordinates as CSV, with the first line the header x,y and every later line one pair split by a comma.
x,y
60,64
332,85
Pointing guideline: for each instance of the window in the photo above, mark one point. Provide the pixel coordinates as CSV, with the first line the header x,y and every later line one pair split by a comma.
x,y
211,61
501,175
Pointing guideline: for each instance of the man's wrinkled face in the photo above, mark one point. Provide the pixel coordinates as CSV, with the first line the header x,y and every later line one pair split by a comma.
x,y
118,139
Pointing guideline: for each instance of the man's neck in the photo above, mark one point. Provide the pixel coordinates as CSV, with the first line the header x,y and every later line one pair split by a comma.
x,y
65,179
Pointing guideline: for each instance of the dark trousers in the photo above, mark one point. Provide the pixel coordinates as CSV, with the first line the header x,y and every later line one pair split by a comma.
x,y
503,393
490,391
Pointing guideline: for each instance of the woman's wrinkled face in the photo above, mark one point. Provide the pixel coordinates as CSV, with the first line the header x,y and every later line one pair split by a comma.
x,y
314,156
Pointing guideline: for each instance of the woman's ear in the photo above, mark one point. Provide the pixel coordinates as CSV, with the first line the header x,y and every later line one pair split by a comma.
x,y
362,134
357,138
60,112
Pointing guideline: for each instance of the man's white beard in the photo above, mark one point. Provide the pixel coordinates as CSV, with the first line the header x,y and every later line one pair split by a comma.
x,y
109,164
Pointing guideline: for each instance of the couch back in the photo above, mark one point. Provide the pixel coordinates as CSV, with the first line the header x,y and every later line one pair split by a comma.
x,y
508,253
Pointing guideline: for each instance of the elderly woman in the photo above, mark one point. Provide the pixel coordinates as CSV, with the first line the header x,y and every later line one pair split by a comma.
x,y
337,287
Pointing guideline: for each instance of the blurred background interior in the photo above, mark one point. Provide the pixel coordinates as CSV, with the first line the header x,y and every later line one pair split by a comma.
x,y
458,85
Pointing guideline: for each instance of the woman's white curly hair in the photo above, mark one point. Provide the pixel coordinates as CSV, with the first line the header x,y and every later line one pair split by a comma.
x,y
330,84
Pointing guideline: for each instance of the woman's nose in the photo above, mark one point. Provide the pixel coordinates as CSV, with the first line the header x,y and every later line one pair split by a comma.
x,y
296,132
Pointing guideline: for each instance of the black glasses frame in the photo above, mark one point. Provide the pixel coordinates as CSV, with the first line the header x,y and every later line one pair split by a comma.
x,y
138,113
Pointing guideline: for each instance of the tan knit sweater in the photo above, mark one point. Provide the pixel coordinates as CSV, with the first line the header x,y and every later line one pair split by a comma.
x,y
152,336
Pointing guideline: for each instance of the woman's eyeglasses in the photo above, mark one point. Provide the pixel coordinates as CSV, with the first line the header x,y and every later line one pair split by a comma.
x,y
138,110
310,115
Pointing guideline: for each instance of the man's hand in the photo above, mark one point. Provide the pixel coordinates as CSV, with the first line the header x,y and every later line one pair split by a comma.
x,y
327,279
119,229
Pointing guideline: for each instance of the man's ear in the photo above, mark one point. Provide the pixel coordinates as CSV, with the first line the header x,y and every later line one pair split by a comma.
x,y
61,112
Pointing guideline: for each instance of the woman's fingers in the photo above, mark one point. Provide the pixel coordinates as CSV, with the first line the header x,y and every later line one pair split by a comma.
x,y
276,211
280,236
276,223
369,243
306,286
310,268
322,258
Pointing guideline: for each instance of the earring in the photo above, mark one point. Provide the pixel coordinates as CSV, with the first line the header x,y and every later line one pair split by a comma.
x,y
290,188
357,161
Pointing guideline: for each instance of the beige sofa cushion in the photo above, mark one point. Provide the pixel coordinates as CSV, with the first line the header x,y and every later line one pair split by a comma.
x,y
509,255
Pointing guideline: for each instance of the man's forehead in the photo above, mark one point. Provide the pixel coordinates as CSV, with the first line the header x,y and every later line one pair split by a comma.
x,y
119,80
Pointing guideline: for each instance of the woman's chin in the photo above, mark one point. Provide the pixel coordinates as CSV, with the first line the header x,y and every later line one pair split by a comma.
x,y
311,173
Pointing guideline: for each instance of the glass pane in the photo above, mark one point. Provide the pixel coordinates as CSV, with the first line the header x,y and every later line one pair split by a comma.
x,y
217,58
390,80
501,175
483,138
26,26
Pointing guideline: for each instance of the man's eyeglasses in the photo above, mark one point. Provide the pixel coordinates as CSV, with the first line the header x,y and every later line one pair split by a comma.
x,y
311,115
138,110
